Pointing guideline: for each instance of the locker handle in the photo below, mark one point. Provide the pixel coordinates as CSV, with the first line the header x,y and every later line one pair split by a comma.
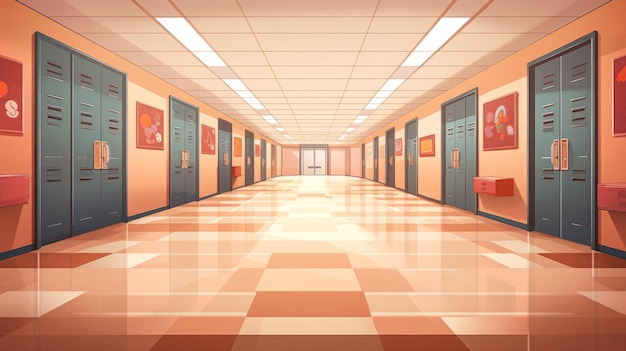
x,y
564,158
554,154
97,158
105,155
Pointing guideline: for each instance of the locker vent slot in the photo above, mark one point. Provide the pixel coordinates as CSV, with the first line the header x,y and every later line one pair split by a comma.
x,y
548,82
579,175
86,174
54,71
548,174
178,115
54,174
190,136
86,81
547,105
450,133
114,173
579,72
177,132
190,118
86,125
471,129
579,113
55,115
114,91
114,126
460,131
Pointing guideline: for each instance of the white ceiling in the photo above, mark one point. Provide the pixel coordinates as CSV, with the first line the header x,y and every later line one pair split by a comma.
x,y
314,64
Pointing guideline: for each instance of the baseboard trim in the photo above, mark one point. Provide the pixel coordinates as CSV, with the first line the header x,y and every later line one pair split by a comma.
x,y
16,252
611,251
141,215
504,220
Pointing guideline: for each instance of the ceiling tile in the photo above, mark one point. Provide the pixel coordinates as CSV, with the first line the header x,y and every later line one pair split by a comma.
x,y
312,72
158,8
310,42
466,8
533,8
220,25
150,42
391,42
232,42
407,25
381,58
243,58
366,84
312,58
253,72
180,71
255,84
308,8
409,7
293,25
452,58
483,24
215,8
313,84
487,42
117,8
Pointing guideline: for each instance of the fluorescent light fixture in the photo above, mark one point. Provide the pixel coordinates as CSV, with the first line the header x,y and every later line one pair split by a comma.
x,y
209,58
392,84
236,84
184,32
438,35
374,103
344,136
383,94
417,58
270,119
360,119
252,101
258,106
245,94
280,129
441,32
351,129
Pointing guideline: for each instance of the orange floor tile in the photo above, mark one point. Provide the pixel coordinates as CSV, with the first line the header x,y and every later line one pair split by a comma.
x,y
313,263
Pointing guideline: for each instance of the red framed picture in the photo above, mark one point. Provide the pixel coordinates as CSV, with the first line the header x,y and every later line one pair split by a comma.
x,y
500,123
149,127
619,96
398,147
11,112
427,146
257,150
237,147
208,140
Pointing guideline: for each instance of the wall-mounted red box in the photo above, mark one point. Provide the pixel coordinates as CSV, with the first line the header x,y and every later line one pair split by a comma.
x,y
13,189
497,186
236,171
612,197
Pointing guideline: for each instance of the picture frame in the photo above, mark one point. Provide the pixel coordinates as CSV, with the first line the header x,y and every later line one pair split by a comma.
x,y
398,147
208,140
619,96
150,122
11,96
257,150
427,146
500,123
237,147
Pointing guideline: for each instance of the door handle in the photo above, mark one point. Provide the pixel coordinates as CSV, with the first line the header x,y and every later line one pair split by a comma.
x,y
564,158
105,155
97,155
554,154
452,163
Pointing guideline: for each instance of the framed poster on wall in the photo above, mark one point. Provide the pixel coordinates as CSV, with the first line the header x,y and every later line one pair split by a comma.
x,y
208,140
257,150
427,146
500,123
237,147
11,119
619,96
398,147
149,127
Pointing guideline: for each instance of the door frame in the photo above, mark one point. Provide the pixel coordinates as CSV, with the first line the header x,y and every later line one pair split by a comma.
x,y
406,162
443,142
227,127
592,40
313,147
390,138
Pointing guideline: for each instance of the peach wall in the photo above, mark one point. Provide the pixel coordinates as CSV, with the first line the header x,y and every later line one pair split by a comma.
x,y
238,131
369,160
148,176
510,163
291,161
399,160
355,161
429,168
381,158
337,161
208,163
268,160
611,225
279,161
147,169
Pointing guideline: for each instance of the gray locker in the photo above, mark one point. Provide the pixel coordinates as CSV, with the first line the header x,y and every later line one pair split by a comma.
x,y
410,157
249,160
375,159
390,158
224,137
263,160
183,152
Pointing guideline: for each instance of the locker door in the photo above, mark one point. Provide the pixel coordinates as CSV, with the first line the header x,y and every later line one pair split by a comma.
x,y
390,159
450,153
376,159
471,143
113,135
177,145
547,110
87,150
54,143
459,143
263,160
249,158
224,160
191,151
320,161
273,160
363,160
410,138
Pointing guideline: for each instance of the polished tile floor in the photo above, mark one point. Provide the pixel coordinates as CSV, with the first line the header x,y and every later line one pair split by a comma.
x,y
313,263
